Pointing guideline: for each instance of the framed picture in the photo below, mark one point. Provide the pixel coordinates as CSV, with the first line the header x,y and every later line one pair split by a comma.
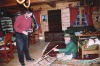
x,y
44,18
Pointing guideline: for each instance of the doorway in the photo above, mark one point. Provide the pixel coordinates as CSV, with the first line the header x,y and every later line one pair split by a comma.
x,y
54,20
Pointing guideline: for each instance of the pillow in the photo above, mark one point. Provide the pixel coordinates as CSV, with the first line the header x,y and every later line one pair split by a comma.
x,y
90,42
97,41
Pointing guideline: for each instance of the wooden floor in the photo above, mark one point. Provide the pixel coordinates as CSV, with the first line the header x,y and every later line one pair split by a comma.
x,y
36,51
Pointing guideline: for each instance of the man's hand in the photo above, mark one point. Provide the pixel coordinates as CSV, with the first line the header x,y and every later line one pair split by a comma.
x,y
30,30
55,49
24,32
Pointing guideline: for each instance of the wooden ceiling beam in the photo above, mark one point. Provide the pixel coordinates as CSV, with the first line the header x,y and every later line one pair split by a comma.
x,y
52,4
5,3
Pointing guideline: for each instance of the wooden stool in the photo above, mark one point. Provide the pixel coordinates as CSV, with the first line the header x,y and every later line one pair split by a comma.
x,y
31,38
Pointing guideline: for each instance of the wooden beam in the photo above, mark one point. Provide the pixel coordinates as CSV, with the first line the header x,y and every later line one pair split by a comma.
x,y
52,4
6,3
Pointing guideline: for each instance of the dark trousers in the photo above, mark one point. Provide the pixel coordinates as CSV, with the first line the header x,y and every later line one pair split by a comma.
x,y
22,47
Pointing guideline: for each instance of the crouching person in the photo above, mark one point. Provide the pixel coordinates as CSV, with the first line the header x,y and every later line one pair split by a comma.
x,y
69,52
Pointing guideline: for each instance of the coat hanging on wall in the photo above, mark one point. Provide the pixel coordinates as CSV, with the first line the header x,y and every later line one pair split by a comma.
x,y
96,20
34,24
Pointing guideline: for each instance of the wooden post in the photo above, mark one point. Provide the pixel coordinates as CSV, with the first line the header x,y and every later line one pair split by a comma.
x,y
80,12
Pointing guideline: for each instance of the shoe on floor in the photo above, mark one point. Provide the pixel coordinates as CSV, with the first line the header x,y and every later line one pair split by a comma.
x,y
31,60
22,64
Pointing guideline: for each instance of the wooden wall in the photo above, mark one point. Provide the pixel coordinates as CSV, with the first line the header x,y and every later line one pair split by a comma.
x,y
65,15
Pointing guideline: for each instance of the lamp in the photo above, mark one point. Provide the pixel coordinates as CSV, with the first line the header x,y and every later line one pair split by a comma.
x,y
23,2
27,6
20,2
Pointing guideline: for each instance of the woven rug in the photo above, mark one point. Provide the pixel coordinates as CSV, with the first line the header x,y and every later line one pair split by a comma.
x,y
52,61
44,61
75,62
72,63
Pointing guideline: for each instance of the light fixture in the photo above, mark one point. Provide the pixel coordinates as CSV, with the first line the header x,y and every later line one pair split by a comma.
x,y
27,6
20,2
23,2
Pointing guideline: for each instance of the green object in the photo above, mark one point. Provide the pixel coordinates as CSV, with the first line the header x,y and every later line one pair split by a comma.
x,y
83,42
70,47
13,38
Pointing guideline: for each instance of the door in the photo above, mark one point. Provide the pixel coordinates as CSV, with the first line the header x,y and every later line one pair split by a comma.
x,y
54,20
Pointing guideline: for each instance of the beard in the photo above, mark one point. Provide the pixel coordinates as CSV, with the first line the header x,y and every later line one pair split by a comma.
x,y
67,42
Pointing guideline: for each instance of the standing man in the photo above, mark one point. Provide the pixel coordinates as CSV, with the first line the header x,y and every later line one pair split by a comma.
x,y
22,25
70,48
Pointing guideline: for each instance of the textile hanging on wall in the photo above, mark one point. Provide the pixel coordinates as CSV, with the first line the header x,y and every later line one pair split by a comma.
x,y
88,11
37,20
73,15
34,24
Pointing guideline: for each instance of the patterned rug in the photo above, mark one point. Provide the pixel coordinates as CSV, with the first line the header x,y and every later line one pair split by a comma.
x,y
44,61
53,61
72,63
76,62
50,60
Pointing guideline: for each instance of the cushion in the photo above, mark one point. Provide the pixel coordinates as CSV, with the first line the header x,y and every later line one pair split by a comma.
x,y
92,47
93,42
97,41
90,42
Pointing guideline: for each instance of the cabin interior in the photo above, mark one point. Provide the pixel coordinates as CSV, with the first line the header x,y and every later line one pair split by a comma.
x,y
53,18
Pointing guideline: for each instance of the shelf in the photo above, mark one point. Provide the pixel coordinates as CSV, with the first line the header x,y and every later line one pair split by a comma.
x,y
6,24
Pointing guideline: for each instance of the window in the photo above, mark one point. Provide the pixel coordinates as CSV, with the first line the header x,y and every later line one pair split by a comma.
x,y
84,20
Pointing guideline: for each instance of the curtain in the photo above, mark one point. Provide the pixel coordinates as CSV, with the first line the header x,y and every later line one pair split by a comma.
x,y
88,11
73,15
37,17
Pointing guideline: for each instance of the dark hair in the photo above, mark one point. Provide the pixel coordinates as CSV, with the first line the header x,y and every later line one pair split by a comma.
x,y
29,11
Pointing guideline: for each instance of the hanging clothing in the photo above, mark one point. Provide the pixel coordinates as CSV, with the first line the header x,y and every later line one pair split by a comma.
x,y
34,24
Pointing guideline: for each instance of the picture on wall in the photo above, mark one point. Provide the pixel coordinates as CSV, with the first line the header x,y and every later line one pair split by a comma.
x,y
44,18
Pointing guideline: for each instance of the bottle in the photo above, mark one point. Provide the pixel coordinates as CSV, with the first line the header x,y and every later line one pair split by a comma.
x,y
84,31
